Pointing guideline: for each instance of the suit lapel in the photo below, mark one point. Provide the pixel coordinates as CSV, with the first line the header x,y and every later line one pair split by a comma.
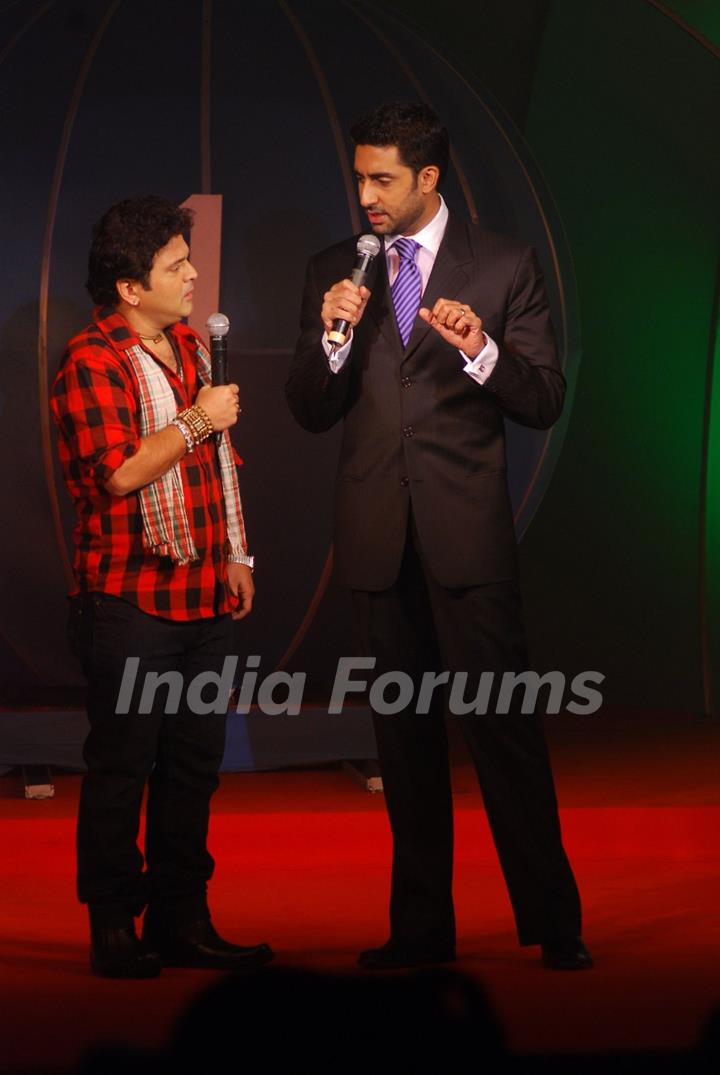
x,y
450,273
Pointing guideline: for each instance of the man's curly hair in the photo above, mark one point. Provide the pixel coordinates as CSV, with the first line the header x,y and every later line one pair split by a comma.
x,y
126,240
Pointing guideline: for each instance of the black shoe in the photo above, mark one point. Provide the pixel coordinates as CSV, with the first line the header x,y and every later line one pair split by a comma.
x,y
116,952
395,955
197,944
568,953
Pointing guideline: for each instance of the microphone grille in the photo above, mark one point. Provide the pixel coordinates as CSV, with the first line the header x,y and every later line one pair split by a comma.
x,y
217,325
368,245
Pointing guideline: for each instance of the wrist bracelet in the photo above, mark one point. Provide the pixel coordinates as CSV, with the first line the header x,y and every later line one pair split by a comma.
x,y
205,417
189,442
198,422
242,558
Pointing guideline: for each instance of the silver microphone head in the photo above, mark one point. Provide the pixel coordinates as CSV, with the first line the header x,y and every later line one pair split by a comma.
x,y
217,325
368,245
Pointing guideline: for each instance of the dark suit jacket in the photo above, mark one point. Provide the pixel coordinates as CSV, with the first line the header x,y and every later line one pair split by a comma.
x,y
416,427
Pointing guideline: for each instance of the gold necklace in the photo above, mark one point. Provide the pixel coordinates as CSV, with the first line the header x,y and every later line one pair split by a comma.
x,y
153,339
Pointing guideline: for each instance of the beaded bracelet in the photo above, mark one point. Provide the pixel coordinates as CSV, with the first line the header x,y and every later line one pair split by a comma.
x,y
198,422
205,417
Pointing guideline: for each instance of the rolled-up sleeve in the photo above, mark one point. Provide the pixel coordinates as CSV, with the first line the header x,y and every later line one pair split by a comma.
x,y
96,414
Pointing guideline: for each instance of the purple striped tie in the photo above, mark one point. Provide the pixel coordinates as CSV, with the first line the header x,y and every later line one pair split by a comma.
x,y
407,287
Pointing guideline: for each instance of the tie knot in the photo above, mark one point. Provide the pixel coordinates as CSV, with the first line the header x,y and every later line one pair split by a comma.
x,y
406,248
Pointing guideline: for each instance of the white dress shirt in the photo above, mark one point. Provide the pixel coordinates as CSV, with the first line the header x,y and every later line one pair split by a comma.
x,y
429,239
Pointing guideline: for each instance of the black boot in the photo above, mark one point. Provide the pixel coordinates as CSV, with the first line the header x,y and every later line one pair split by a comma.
x,y
116,952
197,944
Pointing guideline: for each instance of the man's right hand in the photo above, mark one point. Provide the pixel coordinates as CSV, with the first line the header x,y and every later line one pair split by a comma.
x,y
344,301
221,403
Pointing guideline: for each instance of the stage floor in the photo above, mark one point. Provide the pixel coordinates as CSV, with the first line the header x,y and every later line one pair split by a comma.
x,y
303,862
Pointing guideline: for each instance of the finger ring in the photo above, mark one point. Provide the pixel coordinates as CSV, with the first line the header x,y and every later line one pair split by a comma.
x,y
462,311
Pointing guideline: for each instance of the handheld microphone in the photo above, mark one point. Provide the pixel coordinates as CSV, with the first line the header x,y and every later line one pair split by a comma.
x,y
368,248
218,327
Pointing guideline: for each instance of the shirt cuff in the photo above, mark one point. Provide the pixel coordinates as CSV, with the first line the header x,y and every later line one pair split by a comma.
x,y
480,367
336,361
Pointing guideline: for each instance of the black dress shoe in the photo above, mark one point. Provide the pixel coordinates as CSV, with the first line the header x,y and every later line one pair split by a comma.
x,y
197,944
395,955
566,953
116,952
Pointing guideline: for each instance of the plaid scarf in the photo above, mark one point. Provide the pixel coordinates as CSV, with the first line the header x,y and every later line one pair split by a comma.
x,y
165,522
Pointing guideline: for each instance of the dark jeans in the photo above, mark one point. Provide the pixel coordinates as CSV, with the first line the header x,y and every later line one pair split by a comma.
x,y
419,626
176,754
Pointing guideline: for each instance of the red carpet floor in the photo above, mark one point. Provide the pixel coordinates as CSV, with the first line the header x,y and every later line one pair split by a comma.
x,y
303,861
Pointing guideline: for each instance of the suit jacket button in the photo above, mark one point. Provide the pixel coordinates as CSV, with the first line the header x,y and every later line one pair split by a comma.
x,y
408,431
404,481
406,382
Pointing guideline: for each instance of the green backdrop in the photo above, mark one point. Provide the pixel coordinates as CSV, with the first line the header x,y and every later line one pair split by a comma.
x,y
618,101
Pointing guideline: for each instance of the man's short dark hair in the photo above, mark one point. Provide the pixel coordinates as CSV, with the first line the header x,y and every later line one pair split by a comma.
x,y
126,240
411,126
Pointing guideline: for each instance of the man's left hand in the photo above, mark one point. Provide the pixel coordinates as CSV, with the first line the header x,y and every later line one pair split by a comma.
x,y
242,587
457,324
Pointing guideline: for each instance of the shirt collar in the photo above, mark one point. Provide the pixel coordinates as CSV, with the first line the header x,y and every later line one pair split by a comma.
x,y
431,235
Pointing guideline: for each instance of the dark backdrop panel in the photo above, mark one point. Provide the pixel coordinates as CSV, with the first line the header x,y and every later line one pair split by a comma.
x,y
102,111
620,561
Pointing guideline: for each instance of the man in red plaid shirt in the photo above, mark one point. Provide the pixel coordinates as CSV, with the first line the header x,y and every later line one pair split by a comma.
x,y
162,570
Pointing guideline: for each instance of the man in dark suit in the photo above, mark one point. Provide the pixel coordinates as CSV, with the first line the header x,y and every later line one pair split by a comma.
x,y
453,335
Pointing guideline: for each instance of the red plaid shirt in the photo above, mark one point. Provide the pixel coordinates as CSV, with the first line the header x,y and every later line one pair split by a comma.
x,y
95,404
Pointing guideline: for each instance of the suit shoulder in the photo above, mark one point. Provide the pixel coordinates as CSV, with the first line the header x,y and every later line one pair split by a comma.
x,y
341,251
496,244
332,264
